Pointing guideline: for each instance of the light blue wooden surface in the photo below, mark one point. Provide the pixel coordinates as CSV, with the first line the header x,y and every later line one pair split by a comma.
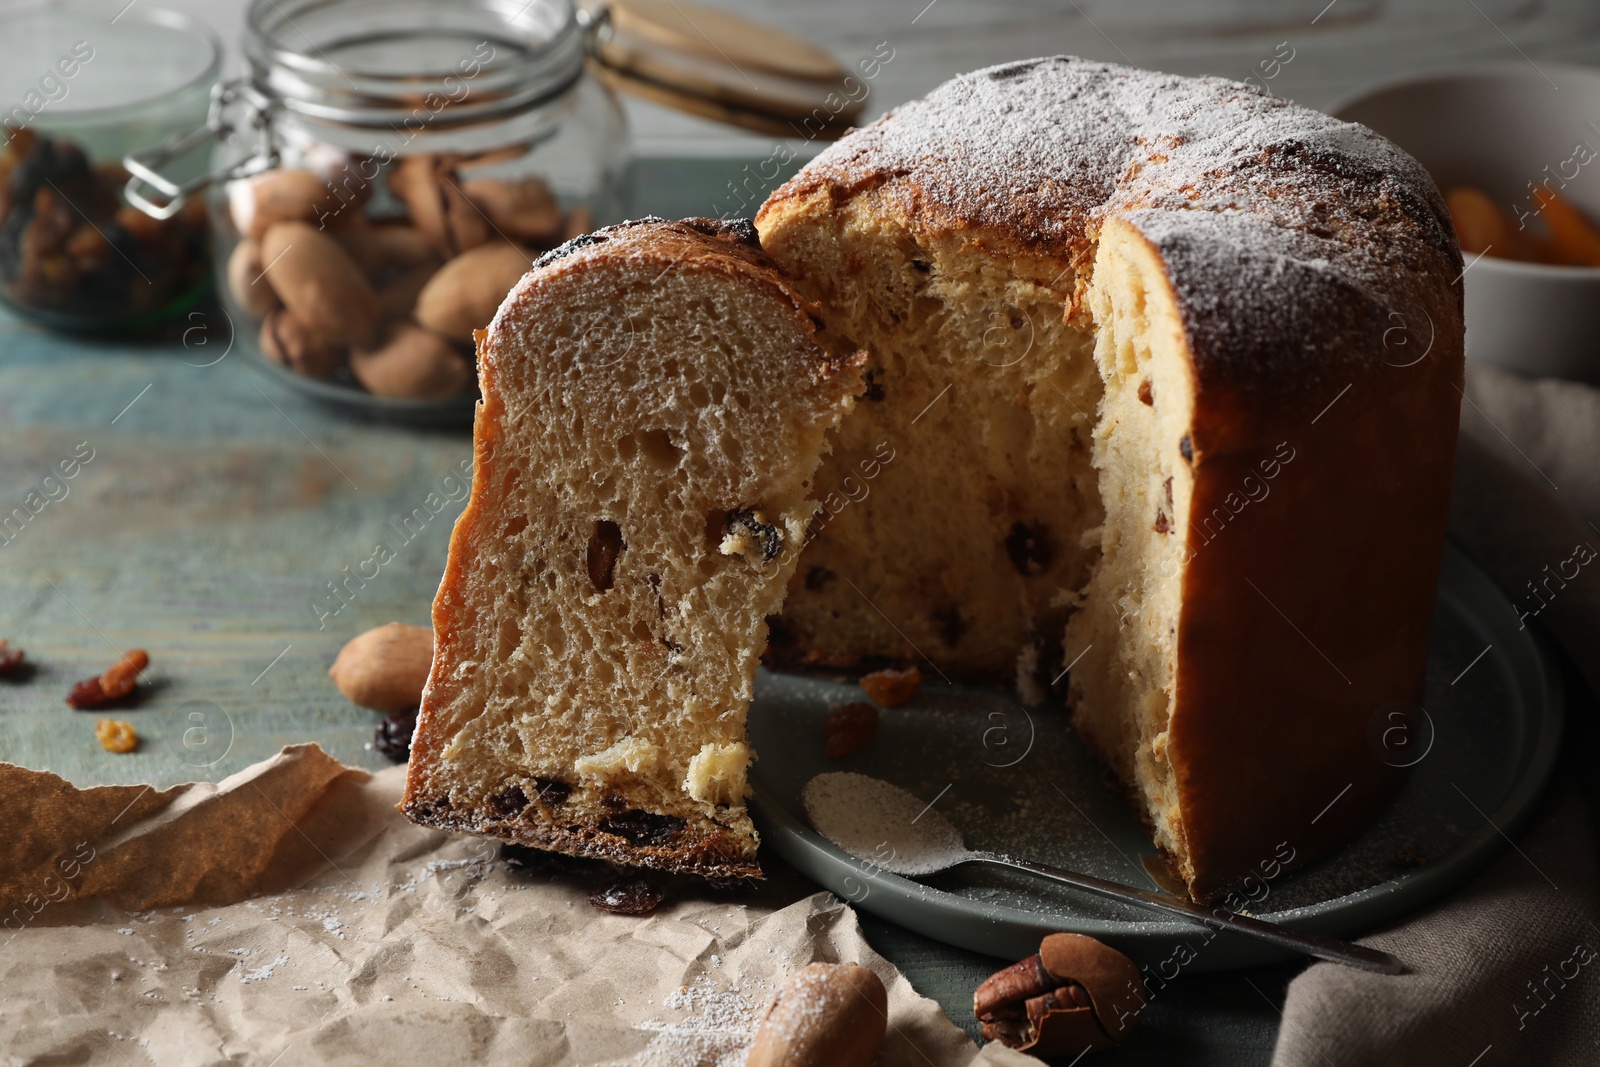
x,y
205,528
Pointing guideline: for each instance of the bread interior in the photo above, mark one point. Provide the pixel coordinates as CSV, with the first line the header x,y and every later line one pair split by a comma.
x,y
653,430
1122,639
1031,520
960,500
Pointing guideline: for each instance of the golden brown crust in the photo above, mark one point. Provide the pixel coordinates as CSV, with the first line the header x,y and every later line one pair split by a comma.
x,y
715,853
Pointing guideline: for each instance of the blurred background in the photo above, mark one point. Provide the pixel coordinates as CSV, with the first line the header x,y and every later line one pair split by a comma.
x,y
1337,47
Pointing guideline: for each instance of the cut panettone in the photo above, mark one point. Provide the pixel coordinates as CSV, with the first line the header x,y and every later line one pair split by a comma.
x,y
656,400
1159,405
1168,370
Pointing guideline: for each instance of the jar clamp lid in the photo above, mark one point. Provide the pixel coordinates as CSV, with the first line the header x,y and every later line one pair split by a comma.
x,y
385,75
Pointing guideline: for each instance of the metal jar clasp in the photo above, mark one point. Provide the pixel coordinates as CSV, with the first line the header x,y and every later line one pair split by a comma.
x,y
160,197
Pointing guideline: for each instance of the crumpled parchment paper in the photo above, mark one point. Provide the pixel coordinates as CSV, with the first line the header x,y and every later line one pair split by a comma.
x,y
289,915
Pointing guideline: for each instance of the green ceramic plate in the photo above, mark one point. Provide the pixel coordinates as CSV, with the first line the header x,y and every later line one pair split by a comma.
x,y
1016,780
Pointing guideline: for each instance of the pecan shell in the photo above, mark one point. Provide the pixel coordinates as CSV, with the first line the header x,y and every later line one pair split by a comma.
x,y
1076,995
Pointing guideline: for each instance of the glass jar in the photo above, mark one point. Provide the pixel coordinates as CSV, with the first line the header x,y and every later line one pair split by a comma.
x,y
385,173
83,87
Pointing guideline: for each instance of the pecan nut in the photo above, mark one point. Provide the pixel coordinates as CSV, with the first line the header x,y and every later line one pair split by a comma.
x,y
1076,995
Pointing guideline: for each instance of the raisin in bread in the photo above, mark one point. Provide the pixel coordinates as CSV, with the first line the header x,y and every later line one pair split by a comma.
x,y
656,399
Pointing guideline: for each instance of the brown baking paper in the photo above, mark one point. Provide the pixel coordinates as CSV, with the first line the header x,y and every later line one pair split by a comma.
x,y
289,915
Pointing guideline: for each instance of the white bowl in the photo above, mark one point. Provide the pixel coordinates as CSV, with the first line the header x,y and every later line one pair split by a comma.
x,y
1498,127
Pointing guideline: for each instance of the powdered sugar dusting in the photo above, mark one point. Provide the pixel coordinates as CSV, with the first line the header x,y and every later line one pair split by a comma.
x,y
882,823
1255,203
716,1032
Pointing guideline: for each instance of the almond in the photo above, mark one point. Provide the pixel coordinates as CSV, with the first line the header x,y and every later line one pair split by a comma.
x,y
467,291
414,363
428,187
247,281
317,280
385,669
523,210
290,343
283,195
828,1015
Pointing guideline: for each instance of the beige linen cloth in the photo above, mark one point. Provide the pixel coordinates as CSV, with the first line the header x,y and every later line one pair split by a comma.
x,y
1506,970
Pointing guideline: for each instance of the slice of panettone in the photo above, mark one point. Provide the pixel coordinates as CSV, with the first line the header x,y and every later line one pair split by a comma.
x,y
656,401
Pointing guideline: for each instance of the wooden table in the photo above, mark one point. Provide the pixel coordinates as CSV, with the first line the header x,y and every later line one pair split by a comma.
x,y
213,517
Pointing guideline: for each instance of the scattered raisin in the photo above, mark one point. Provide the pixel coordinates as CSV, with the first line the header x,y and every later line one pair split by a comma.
x,y
118,682
1145,396
629,895
1186,446
86,694
605,545
393,736
890,687
849,728
11,660
116,735
1161,524
508,802
120,678
874,391
640,827
1168,485
1029,548
552,791
817,577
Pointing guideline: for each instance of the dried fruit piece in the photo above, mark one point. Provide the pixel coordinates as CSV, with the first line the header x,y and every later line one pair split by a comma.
x,y
849,728
120,678
833,1014
891,687
115,735
11,659
1029,548
393,735
629,895
247,279
640,827
119,681
552,791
